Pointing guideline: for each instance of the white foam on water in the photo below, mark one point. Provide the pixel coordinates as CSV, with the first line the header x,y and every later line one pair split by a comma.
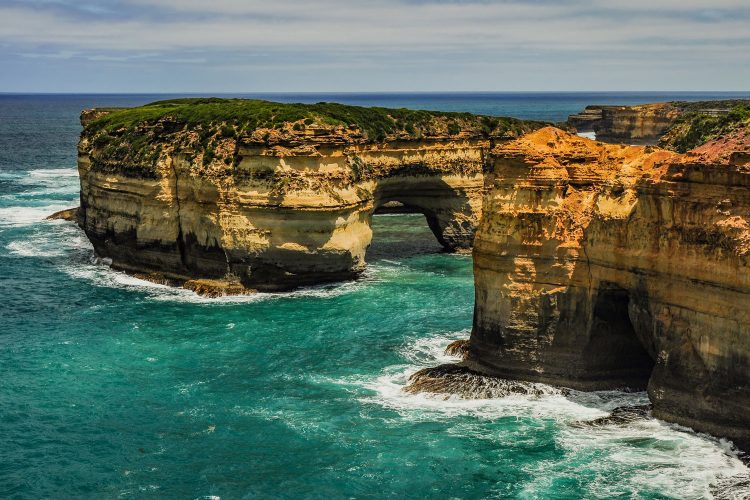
x,y
49,192
53,173
52,186
588,135
98,272
25,216
29,249
54,239
428,352
55,180
646,455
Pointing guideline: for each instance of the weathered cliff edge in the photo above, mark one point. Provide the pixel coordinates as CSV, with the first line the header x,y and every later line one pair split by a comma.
x,y
228,196
603,266
643,124
647,124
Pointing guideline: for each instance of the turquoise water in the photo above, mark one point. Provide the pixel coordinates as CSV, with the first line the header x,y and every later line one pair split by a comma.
x,y
111,387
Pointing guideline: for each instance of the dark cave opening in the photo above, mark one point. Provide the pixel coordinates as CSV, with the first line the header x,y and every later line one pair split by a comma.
x,y
615,349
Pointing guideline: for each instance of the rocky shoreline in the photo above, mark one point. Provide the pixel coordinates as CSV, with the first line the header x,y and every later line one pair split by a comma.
x,y
596,266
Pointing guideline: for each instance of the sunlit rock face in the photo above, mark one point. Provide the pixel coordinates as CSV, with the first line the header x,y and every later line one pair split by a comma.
x,y
678,126
223,208
602,266
643,124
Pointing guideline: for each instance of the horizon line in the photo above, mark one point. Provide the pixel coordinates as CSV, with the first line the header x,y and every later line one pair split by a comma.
x,y
378,92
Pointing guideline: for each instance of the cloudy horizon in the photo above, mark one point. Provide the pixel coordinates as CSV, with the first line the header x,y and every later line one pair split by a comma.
x,y
382,45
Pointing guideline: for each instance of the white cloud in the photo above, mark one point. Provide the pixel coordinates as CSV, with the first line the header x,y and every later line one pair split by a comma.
x,y
336,25
662,38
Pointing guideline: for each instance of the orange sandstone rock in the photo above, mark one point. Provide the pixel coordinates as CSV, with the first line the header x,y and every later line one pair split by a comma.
x,y
601,266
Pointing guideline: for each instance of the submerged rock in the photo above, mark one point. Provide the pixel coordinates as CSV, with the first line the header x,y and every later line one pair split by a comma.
x,y
458,380
621,415
217,288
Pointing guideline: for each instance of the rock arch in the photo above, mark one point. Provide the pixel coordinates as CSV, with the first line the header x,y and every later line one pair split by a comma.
x,y
230,232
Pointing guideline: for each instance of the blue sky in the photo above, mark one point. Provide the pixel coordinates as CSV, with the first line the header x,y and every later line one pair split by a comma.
x,y
377,45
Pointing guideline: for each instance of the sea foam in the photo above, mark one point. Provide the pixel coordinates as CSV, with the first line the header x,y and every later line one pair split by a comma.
x,y
645,455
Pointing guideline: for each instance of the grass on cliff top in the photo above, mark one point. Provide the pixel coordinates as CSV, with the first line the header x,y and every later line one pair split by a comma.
x,y
247,115
705,105
696,128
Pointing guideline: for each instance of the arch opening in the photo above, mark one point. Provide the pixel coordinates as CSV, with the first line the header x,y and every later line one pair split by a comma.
x,y
449,211
399,235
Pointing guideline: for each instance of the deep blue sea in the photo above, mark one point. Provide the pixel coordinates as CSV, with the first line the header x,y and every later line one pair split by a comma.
x,y
111,387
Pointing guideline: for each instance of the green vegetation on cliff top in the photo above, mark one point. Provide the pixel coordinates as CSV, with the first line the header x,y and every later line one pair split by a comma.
x,y
695,128
245,115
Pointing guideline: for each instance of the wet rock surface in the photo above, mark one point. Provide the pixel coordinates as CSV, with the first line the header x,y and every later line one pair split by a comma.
x,y
457,380
69,214
458,348
622,415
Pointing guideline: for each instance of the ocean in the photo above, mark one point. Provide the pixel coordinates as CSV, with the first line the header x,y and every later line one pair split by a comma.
x,y
112,387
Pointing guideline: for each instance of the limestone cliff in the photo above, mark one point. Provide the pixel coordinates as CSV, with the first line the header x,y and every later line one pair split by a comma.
x,y
236,195
601,266
686,124
643,124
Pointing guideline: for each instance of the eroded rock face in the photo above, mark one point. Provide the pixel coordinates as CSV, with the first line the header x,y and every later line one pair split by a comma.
x,y
678,125
225,208
602,266
205,224
643,124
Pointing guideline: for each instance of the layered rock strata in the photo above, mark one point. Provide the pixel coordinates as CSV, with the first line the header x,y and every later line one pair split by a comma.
x,y
603,266
643,124
230,195
647,124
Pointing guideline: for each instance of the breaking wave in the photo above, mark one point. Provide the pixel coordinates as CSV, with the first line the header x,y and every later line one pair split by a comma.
x,y
611,432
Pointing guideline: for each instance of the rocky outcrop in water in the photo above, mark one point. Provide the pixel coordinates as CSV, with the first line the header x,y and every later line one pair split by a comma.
x,y
452,380
458,348
622,415
233,195
69,214
604,266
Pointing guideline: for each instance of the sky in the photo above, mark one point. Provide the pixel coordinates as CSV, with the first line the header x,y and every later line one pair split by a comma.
x,y
376,45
